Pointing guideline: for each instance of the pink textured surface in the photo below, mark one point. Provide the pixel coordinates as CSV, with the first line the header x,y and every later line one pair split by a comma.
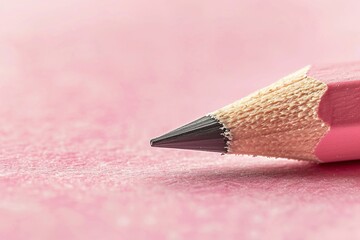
x,y
340,109
84,85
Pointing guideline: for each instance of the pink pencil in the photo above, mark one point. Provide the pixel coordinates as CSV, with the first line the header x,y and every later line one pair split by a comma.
x,y
312,114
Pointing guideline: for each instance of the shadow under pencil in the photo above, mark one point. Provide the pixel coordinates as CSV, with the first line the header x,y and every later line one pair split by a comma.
x,y
284,178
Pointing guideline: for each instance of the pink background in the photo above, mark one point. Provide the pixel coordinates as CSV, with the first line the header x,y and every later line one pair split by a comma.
x,y
84,85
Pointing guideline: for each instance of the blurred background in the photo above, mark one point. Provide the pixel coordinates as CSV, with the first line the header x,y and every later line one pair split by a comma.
x,y
167,54
84,85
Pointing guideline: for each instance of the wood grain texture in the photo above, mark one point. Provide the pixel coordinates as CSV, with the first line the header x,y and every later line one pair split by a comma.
x,y
278,121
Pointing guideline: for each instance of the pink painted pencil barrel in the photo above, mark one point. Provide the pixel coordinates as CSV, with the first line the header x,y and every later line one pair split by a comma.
x,y
312,114
340,110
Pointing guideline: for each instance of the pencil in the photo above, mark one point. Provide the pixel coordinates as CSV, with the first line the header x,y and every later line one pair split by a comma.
x,y
312,114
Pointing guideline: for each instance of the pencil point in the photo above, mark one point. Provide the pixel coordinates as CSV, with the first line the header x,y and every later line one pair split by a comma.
x,y
204,134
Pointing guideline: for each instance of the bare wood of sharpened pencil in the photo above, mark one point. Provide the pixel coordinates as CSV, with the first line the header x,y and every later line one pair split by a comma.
x,y
280,120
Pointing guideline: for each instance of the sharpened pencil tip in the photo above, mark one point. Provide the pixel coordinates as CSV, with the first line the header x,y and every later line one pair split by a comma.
x,y
204,134
153,142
